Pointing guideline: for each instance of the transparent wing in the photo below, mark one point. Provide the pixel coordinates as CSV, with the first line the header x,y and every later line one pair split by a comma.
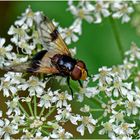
x,y
51,37
41,63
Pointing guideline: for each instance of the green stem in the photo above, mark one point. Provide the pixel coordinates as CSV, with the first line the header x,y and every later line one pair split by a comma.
x,y
30,108
117,37
43,131
50,112
21,129
96,109
45,126
35,106
41,112
98,100
100,118
23,110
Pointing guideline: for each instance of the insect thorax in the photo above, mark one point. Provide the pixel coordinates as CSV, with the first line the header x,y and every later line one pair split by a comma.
x,y
64,63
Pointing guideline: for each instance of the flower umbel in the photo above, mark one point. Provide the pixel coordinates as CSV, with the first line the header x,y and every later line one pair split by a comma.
x,y
37,110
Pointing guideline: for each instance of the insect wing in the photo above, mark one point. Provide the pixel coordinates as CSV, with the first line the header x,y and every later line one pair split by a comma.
x,y
41,63
51,37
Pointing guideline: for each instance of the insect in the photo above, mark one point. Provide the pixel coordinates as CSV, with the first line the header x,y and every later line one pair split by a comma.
x,y
56,60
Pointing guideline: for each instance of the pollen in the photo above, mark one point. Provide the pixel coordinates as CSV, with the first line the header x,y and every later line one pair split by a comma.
x,y
8,129
2,51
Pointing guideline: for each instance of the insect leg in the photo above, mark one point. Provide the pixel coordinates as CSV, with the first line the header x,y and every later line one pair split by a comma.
x,y
80,83
88,74
68,81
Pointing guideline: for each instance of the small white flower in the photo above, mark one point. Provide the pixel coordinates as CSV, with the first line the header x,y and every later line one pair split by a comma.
x,y
63,113
36,123
14,59
87,122
61,98
71,34
7,86
34,86
82,11
4,51
74,119
121,10
117,116
13,106
18,33
134,52
27,18
15,78
46,99
108,128
86,91
7,129
127,67
124,129
18,119
104,76
101,8
26,134
26,47
132,106
86,108
61,134
120,88
109,107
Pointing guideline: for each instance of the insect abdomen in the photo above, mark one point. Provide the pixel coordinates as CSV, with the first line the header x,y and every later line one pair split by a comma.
x,y
34,66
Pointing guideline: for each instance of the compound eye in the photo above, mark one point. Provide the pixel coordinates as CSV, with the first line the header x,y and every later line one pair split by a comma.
x,y
76,74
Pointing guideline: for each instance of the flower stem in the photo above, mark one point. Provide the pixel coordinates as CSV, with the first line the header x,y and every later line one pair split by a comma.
x,y
30,108
23,110
96,109
45,126
50,112
98,100
100,118
41,112
35,106
43,131
117,37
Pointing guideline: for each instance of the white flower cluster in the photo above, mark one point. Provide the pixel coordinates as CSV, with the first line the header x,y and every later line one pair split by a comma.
x,y
33,110
94,11
117,91
40,113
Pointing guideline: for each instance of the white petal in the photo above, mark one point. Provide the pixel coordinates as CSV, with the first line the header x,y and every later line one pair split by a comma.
x,y
1,123
105,12
89,19
90,128
68,40
13,90
116,93
134,111
2,41
81,129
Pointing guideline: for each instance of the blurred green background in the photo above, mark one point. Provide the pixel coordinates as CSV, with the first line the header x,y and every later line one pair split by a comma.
x,y
97,46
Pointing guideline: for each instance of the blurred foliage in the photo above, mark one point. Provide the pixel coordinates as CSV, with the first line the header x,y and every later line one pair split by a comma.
x,y
97,46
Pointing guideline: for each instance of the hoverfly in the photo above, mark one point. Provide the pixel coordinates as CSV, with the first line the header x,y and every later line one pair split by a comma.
x,y
56,60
